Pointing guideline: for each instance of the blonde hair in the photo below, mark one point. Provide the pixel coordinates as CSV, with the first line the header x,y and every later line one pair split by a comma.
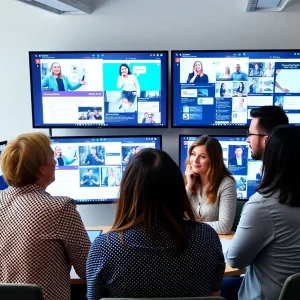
x,y
23,156
60,74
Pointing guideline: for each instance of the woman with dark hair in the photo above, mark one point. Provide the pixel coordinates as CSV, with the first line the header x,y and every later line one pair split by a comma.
x,y
129,85
209,184
197,75
240,91
222,90
56,81
267,240
156,247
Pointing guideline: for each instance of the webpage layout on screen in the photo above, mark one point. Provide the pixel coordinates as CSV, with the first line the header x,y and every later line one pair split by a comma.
x,y
90,170
237,158
221,88
74,89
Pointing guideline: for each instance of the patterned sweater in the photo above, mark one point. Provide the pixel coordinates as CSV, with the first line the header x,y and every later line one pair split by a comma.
x,y
41,237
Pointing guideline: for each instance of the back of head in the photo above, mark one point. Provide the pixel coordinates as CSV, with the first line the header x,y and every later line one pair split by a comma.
x,y
23,156
152,190
281,165
269,117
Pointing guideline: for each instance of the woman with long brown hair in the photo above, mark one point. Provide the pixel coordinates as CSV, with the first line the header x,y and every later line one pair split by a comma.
x,y
209,184
156,247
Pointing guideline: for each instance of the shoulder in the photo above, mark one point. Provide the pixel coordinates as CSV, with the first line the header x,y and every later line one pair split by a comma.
x,y
56,201
204,234
227,182
191,74
132,76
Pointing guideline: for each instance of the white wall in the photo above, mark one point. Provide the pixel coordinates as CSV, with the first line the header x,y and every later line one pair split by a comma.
x,y
128,25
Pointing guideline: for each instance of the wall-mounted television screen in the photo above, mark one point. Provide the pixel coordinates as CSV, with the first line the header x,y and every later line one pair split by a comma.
x,y
99,89
219,88
237,158
90,169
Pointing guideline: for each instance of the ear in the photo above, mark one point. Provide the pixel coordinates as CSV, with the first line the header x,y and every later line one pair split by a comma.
x,y
42,171
265,139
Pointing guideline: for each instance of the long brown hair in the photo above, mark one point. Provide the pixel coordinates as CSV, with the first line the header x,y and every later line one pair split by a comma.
x,y
60,74
217,170
152,191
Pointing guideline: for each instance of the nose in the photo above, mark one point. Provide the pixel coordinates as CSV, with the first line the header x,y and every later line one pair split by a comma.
x,y
248,140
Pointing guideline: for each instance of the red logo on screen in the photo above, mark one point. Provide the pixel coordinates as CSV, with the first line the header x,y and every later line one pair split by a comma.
x,y
177,59
37,61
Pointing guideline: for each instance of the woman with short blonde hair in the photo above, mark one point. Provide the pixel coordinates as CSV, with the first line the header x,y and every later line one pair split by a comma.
x,y
41,236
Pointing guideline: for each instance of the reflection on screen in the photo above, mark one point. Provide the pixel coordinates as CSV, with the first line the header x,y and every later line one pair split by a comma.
x,y
220,88
111,89
90,169
237,158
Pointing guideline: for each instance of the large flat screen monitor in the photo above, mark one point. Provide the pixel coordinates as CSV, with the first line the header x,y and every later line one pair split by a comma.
x,y
89,169
3,184
99,89
246,173
219,88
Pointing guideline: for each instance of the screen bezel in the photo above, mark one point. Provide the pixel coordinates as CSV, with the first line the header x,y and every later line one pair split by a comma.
x,y
212,135
165,52
3,143
212,51
107,136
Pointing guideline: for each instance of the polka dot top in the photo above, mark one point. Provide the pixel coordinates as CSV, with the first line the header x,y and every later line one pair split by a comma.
x,y
142,267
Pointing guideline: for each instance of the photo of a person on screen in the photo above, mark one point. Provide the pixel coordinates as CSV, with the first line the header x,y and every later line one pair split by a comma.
x,y
89,179
238,75
238,159
240,91
226,74
256,71
56,81
269,71
130,155
94,158
223,90
62,160
241,107
112,179
197,75
145,120
130,87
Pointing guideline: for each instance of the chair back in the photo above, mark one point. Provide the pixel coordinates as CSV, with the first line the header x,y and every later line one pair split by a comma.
x,y
20,291
179,298
291,288
239,207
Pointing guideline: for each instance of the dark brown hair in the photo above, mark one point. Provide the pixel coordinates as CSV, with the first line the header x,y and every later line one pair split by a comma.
x,y
152,190
281,163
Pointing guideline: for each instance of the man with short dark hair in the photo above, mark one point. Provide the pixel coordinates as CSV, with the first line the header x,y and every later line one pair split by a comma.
x,y
264,119
238,159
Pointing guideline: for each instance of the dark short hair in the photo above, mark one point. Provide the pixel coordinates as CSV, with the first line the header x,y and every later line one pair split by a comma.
x,y
140,203
269,117
126,66
239,147
281,163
